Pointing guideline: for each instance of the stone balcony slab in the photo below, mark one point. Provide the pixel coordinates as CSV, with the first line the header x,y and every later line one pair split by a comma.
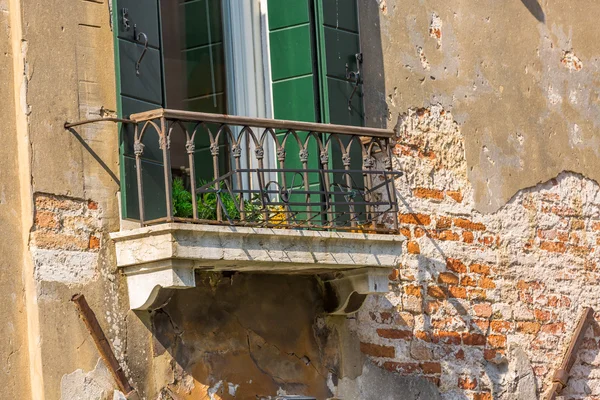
x,y
157,259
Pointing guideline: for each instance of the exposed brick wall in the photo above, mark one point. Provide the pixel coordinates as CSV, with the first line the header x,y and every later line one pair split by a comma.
x,y
471,285
65,239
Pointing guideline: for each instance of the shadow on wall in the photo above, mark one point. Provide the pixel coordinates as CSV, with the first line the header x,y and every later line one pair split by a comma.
x,y
535,9
244,337
376,108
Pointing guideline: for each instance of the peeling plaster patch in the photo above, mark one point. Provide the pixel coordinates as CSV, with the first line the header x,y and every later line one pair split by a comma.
x,y
382,6
573,97
435,29
554,96
4,6
68,267
94,385
25,107
422,58
213,390
232,388
575,138
571,61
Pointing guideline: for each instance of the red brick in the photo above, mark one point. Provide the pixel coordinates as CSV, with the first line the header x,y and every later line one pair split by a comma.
x,y
480,325
476,294
442,323
413,290
562,211
94,242
541,315
596,226
468,237
486,283
51,203
457,292
394,275
431,368
531,328
554,329
46,219
422,335
92,205
460,354
436,291
413,247
580,251
384,317
394,334
443,223
467,383
468,281
489,240
479,269
469,225
419,232
473,339
415,219
432,194
496,341
375,350
552,301
489,354
448,235
455,195
406,232
448,277
431,307
53,240
482,396
446,337
483,310
403,368
577,224
554,247
456,266
499,326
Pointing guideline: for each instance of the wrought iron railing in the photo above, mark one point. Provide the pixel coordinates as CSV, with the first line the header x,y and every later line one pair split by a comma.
x,y
266,173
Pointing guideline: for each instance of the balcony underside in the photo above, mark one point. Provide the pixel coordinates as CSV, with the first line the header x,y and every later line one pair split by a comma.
x,y
157,259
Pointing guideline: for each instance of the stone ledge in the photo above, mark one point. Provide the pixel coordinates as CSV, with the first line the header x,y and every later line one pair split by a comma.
x,y
165,256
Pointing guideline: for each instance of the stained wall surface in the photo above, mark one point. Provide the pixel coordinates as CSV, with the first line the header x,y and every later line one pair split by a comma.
x,y
495,106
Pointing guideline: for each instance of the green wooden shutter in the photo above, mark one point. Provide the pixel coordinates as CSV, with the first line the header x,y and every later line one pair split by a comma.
x,y
137,93
195,75
295,80
184,69
339,43
311,41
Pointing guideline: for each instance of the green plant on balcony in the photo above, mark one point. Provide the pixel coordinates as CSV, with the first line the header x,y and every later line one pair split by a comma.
x,y
208,204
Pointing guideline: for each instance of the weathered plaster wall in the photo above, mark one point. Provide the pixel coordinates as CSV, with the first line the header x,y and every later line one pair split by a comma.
x,y
481,299
14,355
520,77
245,336
68,74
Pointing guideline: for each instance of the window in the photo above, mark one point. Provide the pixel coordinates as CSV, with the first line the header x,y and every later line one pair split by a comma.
x,y
282,59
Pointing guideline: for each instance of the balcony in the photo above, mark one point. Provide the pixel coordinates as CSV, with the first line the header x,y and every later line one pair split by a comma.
x,y
223,193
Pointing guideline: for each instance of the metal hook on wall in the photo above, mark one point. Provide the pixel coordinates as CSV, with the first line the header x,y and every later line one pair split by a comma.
x,y
138,38
354,77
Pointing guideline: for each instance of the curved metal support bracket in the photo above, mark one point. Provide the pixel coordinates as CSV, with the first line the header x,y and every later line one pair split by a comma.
x,y
346,292
151,286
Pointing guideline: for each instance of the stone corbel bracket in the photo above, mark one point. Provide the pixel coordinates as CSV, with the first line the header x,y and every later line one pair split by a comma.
x,y
346,292
159,259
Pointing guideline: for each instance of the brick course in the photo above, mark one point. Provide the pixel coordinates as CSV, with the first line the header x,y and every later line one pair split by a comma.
x,y
482,282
